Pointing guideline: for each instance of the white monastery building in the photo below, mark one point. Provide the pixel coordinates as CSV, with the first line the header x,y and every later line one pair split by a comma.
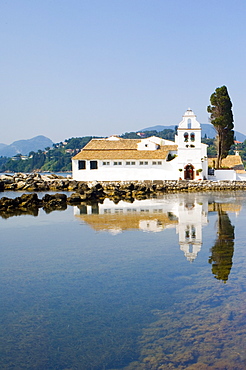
x,y
152,158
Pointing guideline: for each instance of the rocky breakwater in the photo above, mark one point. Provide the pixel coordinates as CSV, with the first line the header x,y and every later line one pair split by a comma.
x,y
128,191
36,182
82,192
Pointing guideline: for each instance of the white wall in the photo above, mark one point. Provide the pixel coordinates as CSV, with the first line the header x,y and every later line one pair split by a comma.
x,y
166,171
241,176
225,175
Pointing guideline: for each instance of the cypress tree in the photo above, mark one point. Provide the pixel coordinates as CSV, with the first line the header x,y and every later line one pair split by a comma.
x,y
221,118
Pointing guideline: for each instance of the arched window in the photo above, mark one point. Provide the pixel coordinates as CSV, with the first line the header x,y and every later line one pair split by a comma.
x,y
189,123
192,136
186,136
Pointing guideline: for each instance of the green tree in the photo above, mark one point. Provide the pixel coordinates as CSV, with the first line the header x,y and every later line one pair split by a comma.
x,y
78,142
222,119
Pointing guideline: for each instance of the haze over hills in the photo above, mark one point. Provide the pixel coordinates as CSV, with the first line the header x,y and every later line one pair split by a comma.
x,y
24,147
207,129
2,145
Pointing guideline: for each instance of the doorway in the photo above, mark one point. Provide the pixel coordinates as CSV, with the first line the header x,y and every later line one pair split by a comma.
x,y
189,172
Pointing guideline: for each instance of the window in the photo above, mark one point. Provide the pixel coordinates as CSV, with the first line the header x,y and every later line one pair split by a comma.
x,y
118,210
187,232
170,157
186,136
95,209
93,165
128,163
159,163
117,163
192,136
189,123
82,165
133,163
106,163
143,163
193,232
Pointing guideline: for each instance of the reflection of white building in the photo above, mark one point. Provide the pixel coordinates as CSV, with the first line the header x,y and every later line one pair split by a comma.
x,y
151,215
188,214
185,212
192,217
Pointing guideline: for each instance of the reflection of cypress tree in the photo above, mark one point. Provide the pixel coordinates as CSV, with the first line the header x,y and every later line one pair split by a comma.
x,y
222,251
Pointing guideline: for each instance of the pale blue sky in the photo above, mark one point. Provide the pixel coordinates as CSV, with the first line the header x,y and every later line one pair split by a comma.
x,y
101,67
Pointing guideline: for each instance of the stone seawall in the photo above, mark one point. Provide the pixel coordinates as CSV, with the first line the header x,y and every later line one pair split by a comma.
x,y
92,192
37,182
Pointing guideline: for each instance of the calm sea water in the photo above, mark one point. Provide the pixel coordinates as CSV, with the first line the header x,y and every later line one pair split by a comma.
x,y
156,284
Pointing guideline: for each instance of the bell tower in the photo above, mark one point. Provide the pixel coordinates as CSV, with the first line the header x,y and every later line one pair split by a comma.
x,y
189,131
189,144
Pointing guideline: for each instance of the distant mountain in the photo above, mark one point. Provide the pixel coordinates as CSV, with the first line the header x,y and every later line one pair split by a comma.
x,y
2,145
239,136
24,147
207,129
158,128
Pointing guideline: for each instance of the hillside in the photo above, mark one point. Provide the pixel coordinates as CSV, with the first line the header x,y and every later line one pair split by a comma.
x,y
24,147
57,158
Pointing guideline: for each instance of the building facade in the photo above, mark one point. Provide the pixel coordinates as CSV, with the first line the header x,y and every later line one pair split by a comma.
x,y
153,158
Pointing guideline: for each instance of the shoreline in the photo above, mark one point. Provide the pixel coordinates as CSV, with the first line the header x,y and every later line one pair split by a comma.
x,y
93,192
51,182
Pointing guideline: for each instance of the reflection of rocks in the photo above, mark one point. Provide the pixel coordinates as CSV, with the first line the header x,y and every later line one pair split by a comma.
x,y
26,204
25,201
54,202
18,212
30,203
